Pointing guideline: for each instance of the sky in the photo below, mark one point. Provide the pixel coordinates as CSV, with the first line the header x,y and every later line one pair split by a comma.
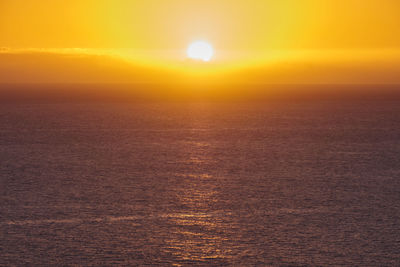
x,y
308,41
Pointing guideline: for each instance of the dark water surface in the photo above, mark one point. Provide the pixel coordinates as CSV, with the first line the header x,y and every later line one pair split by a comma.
x,y
200,184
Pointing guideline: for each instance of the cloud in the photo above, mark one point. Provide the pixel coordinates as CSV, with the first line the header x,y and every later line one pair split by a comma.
x,y
95,66
70,66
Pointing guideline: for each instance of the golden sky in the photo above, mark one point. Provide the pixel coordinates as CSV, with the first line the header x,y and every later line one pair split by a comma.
x,y
282,37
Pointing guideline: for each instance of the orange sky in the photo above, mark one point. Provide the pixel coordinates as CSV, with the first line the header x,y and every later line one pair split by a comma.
x,y
287,41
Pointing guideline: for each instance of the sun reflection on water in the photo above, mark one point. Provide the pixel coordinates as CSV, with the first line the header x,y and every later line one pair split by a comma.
x,y
197,231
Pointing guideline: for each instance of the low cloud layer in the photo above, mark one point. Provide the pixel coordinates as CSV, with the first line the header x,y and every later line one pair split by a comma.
x,y
77,66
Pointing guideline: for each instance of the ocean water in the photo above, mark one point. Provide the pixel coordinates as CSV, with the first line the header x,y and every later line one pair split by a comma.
x,y
208,184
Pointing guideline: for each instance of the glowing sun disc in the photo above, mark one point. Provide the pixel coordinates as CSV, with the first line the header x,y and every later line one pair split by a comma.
x,y
200,50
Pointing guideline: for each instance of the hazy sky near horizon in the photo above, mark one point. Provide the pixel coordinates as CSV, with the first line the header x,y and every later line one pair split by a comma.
x,y
355,35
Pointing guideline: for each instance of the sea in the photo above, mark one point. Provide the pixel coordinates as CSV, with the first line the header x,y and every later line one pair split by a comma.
x,y
306,183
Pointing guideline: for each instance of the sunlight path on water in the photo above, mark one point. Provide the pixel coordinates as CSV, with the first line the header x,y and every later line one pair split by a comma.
x,y
197,230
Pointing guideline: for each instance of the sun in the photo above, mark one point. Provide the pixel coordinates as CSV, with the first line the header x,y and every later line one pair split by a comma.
x,y
200,50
